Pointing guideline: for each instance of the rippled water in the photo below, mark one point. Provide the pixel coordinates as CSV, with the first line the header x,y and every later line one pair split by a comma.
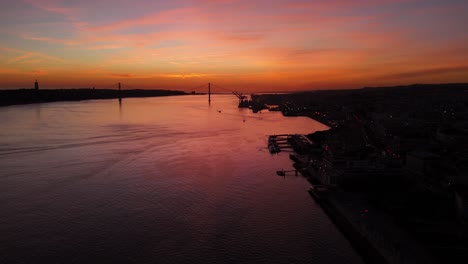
x,y
156,180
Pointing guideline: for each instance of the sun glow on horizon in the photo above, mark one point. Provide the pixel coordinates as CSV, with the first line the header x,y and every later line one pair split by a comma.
x,y
246,45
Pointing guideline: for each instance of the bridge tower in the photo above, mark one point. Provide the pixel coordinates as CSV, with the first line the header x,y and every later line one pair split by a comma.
x,y
120,94
209,93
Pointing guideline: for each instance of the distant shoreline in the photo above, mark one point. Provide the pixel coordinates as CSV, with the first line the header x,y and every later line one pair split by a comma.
x,y
31,96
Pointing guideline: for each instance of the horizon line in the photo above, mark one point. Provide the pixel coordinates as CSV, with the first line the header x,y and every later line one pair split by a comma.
x,y
250,92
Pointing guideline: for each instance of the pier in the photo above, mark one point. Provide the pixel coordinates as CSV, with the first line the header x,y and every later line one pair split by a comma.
x,y
276,143
283,172
292,142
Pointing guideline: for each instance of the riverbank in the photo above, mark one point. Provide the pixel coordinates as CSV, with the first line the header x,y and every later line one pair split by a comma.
x,y
401,149
31,96
370,231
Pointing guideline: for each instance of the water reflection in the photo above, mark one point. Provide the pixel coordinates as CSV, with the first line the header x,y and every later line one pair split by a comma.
x,y
169,181
38,111
120,108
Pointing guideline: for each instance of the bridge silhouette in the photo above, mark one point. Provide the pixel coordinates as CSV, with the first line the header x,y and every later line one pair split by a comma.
x,y
206,88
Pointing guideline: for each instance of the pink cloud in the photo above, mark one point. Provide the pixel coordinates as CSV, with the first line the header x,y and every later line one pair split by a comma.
x,y
334,4
61,41
104,47
10,71
54,7
164,17
261,42
22,56
239,36
122,75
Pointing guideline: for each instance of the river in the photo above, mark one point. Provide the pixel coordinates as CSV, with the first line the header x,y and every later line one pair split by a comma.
x,y
156,180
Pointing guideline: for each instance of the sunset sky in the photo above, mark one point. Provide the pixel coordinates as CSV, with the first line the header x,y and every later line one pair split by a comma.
x,y
264,45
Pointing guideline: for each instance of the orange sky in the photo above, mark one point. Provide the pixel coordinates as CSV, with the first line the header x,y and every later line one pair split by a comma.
x,y
241,45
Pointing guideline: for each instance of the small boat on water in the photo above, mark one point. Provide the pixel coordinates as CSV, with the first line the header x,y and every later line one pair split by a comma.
x,y
283,172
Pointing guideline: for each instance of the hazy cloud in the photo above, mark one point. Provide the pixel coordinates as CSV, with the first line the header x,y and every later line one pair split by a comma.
x,y
427,72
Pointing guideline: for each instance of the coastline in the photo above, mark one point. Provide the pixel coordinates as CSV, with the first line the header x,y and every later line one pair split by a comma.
x,y
31,96
370,231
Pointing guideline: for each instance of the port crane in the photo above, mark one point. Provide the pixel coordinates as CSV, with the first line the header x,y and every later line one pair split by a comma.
x,y
240,96
243,99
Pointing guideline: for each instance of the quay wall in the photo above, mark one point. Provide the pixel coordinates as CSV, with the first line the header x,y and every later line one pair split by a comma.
x,y
363,246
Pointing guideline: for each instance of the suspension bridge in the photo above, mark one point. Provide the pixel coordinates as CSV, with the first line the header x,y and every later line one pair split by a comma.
x,y
206,88
117,90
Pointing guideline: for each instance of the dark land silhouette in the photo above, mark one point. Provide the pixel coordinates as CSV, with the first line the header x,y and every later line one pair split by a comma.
x,y
28,96
395,158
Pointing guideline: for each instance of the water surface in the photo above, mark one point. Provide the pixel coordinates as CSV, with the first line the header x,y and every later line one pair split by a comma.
x,y
156,180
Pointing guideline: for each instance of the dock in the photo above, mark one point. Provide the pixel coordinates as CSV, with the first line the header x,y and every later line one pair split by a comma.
x,y
283,172
292,142
278,142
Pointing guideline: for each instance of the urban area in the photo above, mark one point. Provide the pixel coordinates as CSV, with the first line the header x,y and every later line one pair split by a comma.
x,y
392,169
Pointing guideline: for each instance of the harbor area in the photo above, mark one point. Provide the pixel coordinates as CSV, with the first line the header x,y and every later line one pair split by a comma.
x,y
337,186
403,160
290,142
